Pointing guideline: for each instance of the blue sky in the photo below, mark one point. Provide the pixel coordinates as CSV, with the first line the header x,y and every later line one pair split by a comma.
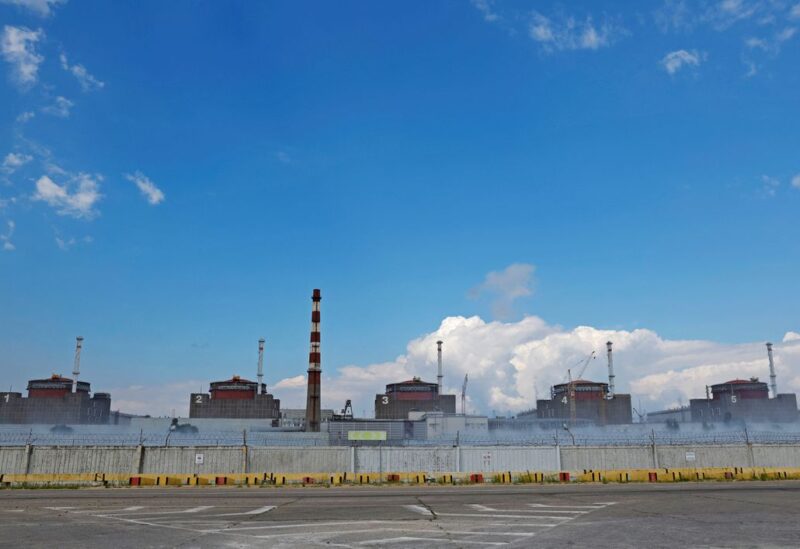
x,y
187,172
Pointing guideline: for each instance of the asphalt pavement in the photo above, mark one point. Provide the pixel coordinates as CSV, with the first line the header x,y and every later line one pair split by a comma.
x,y
738,514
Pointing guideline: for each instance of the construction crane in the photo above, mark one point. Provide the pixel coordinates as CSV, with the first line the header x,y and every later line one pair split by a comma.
x,y
464,395
573,413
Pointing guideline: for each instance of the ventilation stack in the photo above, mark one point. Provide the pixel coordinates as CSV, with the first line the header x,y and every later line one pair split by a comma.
x,y
314,369
772,383
76,368
260,364
439,375
610,370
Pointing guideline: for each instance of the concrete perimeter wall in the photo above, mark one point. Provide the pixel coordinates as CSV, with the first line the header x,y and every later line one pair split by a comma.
x,y
487,459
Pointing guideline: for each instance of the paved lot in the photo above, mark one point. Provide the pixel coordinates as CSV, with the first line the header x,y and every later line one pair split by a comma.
x,y
686,515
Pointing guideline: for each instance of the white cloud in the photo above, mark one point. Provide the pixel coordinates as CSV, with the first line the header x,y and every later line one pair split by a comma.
x,y
39,7
76,199
796,181
486,8
13,161
791,336
18,46
506,287
567,33
725,13
290,383
676,60
786,34
284,157
794,12
25,116
508,362
148,189
5,238
87,81
60,107
674,15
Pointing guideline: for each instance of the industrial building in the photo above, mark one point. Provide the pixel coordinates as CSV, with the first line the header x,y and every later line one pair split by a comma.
x,y
237,398
580,400
419,426
743,400
57,399
414,395
737,400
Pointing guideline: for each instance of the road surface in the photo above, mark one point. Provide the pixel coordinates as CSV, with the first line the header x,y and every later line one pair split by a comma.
x,y
742,514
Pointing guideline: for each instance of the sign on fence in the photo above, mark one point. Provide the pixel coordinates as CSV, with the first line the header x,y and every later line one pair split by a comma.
x,y
366,435
198,459
689,456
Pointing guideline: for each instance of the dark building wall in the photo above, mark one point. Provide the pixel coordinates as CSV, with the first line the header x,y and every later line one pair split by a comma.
x,y
71,408
262,406
389,406
780,409
601,411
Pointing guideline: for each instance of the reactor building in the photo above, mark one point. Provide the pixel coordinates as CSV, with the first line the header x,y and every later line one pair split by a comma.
x,y
237,398
57,399
414,395
584,401
746,400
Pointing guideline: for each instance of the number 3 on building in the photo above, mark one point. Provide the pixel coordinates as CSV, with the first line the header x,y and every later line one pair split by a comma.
x,y
385,400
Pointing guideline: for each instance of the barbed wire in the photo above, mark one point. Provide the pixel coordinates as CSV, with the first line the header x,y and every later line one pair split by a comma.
x,y
21,437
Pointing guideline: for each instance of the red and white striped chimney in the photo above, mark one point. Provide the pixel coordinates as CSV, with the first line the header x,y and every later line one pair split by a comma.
x,y
314,368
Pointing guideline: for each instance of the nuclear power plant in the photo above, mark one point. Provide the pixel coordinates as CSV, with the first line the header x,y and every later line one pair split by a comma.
x,y
580,400
411,409
57,399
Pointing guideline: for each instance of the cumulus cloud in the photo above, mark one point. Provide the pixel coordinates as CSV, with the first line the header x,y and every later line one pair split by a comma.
x,y
507,362
87,81
676,60
60,107
43,8
5,238
794,12
506,287
18,47
796,181
153,194
13,161
561,32
487,10
77,198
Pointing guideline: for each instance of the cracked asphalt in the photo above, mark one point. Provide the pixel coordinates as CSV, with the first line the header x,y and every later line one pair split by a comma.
x,y
734,514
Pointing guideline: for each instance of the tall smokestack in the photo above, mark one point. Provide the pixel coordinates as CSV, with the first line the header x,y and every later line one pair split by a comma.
x,y
610,369
314,368
439,375
260,364
772,384
76,368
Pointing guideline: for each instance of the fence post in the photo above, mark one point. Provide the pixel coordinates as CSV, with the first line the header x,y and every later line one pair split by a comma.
x,y
244,451
353,459
28,452
140,459
655,451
